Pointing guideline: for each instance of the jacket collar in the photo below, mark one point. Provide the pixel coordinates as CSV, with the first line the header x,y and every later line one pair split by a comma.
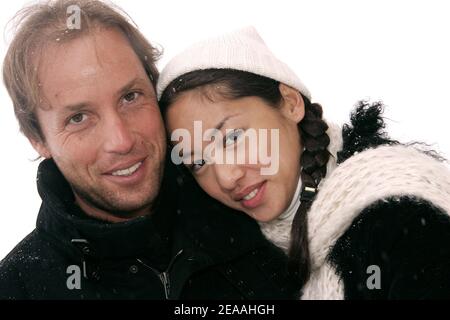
x,y
61,219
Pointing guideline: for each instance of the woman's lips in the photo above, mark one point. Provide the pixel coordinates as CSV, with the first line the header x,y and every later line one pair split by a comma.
x,y
254,198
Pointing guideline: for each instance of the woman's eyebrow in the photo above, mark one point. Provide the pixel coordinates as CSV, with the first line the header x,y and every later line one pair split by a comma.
x,y
220,125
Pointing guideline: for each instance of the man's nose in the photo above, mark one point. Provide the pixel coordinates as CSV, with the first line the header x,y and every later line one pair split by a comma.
x,y
118,135
228,175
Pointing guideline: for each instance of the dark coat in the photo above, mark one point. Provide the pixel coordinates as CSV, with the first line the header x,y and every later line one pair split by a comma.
x,y
408,239
202,251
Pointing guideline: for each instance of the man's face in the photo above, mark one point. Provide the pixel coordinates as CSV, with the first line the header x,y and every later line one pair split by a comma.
x,y
101,124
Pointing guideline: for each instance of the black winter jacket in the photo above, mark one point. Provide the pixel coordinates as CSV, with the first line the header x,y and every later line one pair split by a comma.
x,y
197,250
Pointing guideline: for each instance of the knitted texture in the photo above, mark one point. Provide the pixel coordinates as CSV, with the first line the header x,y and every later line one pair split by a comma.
x,y
324,284
366,177
374,174
242,50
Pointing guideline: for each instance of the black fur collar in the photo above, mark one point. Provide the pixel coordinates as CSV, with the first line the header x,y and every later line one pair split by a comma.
x,y
366,130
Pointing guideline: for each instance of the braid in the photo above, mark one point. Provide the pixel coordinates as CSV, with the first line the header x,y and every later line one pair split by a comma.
x,y
313,161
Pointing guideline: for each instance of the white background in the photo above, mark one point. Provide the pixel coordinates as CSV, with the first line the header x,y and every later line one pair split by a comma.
x,y
396,51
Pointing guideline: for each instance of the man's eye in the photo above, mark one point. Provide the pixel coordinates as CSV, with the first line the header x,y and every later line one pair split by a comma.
x,y
130,97
77,119
233,136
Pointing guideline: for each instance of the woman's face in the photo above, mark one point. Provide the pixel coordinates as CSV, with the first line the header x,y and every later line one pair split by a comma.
x,y
235,177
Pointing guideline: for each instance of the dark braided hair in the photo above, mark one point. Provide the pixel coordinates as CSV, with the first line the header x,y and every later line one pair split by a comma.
x,y
313,161
233,84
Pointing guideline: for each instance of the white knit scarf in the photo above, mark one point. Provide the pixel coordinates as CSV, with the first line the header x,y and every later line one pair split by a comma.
x,y
366,177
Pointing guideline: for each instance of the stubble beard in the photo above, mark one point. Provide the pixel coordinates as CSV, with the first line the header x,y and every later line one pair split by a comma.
x,y
118,205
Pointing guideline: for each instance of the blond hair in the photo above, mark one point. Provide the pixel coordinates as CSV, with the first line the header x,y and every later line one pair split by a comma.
x,y
39,24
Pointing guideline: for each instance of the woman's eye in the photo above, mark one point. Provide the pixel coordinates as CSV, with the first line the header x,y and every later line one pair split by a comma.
x,y
77,119
233,136
130,97
197,165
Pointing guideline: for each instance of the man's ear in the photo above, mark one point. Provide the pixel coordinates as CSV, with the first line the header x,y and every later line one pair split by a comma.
x,y
293,106
41,147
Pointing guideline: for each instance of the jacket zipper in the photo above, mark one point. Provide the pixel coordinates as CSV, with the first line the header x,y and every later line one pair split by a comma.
x,y
163,276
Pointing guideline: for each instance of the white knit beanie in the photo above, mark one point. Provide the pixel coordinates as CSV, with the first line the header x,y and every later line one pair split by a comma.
x,y
242,50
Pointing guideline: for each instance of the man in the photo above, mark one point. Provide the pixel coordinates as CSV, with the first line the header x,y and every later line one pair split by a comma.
x,y
82,81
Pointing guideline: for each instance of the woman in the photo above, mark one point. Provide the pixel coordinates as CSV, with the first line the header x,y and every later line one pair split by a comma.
x,y
361,216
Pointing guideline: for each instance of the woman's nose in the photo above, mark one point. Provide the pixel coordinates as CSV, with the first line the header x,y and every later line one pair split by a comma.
x,y
228,175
